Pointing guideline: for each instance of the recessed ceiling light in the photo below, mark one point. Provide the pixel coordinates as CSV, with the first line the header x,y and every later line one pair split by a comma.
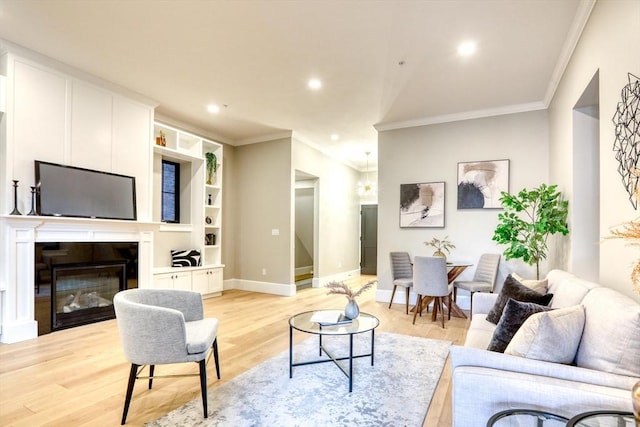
x,y
335,137
213,108
467,48
315,84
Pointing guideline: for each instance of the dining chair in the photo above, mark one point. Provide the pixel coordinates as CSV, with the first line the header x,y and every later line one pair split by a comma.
x,y
402,271
430,281
484,278
161,326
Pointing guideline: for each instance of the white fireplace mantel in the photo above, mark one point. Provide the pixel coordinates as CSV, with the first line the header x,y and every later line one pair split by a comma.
x,y
19,235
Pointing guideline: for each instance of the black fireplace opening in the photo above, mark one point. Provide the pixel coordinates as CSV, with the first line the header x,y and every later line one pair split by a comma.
x,y
75,282
83,293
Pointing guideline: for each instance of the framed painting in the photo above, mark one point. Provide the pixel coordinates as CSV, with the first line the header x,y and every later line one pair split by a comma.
x,y
480,184
422,205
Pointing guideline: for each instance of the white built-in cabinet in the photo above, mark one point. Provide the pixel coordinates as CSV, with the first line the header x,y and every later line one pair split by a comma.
x,y
200,225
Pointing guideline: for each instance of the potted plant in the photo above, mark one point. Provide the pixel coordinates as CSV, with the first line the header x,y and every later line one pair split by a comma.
x,y
441,246
212,166
352,310
529,218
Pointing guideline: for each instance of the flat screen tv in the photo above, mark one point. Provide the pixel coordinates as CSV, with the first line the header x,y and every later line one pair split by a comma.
x,y
77,192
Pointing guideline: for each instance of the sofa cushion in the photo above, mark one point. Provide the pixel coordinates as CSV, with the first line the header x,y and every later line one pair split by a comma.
x,y
551,336
539,286
514,315
567,289
611,337
517,291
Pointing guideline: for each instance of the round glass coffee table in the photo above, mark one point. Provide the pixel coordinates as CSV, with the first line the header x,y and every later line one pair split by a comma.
x,y
528,416
321,323
603,419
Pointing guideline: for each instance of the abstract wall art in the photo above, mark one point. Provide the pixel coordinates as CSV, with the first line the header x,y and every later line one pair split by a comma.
x,y
627,144
422,205
480,183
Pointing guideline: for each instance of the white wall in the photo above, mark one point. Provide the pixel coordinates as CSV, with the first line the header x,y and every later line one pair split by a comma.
x,y
608,45
431,153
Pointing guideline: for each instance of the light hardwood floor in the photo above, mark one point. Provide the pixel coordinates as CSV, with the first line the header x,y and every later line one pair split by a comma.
x,y
77,377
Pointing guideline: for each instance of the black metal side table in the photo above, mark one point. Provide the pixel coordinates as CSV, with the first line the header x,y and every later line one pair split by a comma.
x,y
541,416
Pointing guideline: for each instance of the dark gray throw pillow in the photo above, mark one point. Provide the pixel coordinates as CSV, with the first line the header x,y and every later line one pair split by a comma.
x,y
513,316
519,292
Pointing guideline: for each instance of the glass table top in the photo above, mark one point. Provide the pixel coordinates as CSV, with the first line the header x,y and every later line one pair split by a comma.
x,y
303,322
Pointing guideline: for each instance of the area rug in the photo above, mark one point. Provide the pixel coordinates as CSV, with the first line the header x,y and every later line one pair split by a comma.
x,y
396,391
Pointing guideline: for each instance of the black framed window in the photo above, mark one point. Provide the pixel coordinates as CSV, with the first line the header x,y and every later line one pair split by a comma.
x,y
170,191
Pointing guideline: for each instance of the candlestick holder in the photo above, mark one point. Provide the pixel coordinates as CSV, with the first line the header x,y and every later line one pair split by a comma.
x,y
15,210
33,211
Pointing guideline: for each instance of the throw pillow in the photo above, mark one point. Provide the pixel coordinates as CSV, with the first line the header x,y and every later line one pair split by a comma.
x,y
537,285
185,258
513,289
550,336
514,315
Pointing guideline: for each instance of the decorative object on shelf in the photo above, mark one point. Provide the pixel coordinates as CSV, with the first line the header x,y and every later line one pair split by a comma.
x,y
208,220
189,258
352,310
161,140
528,219
15,210
209,200
209,239
212,167
627,127
422,205
441,245
481,183
33,211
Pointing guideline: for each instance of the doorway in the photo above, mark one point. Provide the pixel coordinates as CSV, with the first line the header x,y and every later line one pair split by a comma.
x,y
369,239
305,238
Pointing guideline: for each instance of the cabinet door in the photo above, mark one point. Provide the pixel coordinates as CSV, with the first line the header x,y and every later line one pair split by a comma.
x,y
200,281
215,280
162,281
182,281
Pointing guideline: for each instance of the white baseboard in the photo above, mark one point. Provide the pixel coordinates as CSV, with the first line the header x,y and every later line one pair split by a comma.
x,y
321,281
283,289
303,270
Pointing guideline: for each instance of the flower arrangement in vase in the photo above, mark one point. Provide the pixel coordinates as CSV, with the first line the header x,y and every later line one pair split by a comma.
x,y
352,310
441,246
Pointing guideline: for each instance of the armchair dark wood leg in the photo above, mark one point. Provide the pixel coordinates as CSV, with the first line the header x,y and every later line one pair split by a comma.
x,y
152,368
418,308
203,385
406,309
127,399
215,356
392,295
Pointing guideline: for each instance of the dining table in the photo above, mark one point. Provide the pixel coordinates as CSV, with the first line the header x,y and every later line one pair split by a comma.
x,y
454,269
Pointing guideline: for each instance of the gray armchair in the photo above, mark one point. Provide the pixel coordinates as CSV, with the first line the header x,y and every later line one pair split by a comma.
x,y
160,326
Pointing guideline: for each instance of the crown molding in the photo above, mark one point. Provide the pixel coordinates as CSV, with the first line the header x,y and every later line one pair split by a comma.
x,y
467,115
573,36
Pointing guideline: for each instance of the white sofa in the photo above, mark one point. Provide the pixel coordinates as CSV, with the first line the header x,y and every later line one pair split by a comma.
x,y
606,365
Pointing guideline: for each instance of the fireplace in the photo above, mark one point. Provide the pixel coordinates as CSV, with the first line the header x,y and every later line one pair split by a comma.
x,y
75,282
83,293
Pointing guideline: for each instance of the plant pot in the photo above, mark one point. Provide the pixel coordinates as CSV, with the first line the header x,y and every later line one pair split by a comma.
x,y
440,254
351,311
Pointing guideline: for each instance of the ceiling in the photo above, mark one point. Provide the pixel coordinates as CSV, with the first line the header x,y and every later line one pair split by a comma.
x,y
384,63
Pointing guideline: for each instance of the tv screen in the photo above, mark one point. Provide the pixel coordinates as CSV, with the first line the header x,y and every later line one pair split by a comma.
x,y
77,192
